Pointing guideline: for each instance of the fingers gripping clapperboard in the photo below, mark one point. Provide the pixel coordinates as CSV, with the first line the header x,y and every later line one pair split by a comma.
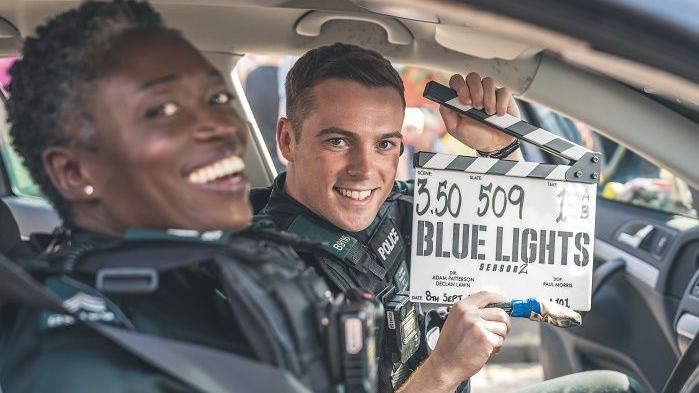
x,y
522,229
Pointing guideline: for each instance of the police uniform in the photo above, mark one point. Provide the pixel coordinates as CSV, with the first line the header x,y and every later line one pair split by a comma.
x,y
229,292
342,270
374,259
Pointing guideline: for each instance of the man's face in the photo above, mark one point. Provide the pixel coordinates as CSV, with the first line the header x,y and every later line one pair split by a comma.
x,y
170,144
344,162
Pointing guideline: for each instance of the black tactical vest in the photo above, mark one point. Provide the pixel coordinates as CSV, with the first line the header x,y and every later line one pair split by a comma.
x,y
379,264
272,293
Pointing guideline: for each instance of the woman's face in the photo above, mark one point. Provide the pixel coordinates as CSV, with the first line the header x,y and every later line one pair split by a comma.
x,y
169,143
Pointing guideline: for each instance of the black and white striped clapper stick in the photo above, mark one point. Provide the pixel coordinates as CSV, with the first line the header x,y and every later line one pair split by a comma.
x,y
584,168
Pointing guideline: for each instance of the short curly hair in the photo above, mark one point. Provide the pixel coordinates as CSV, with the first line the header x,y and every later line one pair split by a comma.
x,y
340,61
57,66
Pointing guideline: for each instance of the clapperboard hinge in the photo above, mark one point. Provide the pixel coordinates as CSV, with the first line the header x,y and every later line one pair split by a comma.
x,y
584,164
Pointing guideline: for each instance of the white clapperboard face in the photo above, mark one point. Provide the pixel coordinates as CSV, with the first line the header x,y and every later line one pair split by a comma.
x,y
516,228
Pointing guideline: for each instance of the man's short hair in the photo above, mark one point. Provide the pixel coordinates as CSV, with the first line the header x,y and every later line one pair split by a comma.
x,y
338,61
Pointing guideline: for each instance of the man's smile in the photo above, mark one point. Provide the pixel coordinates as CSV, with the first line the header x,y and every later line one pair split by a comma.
x,y
355,194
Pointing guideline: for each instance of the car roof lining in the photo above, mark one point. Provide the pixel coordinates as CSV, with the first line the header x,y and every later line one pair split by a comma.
x,y
231,26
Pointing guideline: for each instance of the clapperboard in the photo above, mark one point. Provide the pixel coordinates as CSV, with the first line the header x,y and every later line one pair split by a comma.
x,y
522,229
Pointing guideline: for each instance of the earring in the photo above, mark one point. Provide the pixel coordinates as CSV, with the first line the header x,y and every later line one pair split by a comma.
x,y
89,190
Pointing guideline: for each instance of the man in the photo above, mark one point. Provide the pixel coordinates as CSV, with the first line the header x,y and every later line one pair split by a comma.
x,y
341,138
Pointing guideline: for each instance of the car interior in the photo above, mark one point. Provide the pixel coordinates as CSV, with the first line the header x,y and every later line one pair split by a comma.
x,y
640,98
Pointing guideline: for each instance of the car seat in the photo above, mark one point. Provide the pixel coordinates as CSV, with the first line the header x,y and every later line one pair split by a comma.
x,y
11,244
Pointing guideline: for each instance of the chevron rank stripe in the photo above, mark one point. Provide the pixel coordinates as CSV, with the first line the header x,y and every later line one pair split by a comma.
x,y
489,166
508,123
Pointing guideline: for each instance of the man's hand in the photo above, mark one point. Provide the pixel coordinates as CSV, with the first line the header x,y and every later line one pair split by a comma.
x,y
480,94
468,338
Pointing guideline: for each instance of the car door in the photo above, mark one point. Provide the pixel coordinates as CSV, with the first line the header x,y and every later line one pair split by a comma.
x,y
646,254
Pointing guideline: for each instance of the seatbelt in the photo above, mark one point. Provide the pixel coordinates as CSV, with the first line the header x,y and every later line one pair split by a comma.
x,y
204,369
684,368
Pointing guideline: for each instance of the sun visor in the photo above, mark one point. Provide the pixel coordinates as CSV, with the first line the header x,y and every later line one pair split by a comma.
x,y
485,45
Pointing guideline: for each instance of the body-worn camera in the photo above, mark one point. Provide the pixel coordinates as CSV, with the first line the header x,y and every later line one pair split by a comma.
x,y
351,325
401,333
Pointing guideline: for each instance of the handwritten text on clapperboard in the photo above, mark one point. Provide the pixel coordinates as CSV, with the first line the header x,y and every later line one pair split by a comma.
x,y
521,237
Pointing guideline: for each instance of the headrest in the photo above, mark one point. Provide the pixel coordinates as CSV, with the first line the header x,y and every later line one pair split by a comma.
x,y
9,231
259,198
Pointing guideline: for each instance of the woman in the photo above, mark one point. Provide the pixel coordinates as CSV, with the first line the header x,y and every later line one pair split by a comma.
x,y
124,124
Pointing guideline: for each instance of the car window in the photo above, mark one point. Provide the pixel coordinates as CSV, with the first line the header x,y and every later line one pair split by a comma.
x,y
262,77
19,179
626,176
